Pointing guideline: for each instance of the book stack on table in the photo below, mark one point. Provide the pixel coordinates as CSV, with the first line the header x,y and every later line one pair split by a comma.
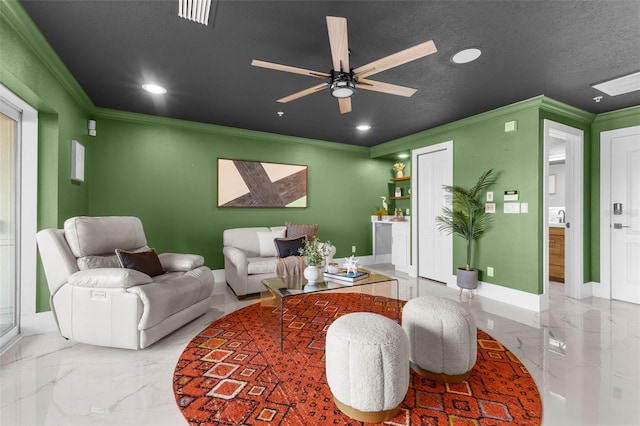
x,y
350,277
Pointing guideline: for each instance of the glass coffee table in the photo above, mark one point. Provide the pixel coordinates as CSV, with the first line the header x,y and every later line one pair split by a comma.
x,y
285,287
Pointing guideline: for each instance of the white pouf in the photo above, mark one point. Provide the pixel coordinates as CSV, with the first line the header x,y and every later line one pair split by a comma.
x,y
443,338
367,362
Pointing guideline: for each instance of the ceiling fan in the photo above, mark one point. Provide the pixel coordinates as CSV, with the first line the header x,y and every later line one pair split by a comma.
x,y
343,80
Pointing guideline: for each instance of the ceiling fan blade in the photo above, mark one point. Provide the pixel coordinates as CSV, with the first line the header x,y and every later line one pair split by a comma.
x,y
399,58
303,93
379,86
345,105
337,28
287,68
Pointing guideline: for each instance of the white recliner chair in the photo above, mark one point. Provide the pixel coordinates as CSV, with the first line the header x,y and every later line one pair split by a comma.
x,y
97,301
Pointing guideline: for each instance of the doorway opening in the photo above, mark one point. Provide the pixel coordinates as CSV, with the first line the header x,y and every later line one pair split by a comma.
x,y
563,210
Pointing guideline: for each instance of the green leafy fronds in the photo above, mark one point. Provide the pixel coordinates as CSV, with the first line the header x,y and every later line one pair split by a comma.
x,y
467,217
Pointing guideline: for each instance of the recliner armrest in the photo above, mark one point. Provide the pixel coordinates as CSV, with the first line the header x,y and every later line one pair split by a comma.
x,y
180,262
109,278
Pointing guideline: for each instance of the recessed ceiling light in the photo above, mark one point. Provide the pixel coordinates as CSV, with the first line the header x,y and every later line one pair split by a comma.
x,y
466,56
154,88
363,127
403,156
619,86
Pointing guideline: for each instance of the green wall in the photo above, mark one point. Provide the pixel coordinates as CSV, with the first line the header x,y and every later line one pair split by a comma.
x,y
165,172
513,246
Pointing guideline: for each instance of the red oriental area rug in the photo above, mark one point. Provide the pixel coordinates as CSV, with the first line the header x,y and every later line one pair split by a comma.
x,y
233,373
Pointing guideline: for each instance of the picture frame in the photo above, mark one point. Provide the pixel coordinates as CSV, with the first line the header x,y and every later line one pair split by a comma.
x,y
77,161
258,184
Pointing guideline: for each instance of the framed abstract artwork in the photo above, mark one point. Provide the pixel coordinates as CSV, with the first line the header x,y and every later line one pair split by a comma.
x,y
259,184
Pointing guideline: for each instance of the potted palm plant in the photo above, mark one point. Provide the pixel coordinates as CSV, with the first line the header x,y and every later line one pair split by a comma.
x,y
468,219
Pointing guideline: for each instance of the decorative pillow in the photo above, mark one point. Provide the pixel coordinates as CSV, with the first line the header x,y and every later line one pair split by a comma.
x,y
144,261
289,246
265,240
295,230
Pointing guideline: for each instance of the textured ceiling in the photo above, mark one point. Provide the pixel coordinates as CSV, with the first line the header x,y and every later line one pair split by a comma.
x,y
530,48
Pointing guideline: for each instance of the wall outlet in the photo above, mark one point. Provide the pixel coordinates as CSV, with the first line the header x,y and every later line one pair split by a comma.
x,y
489,271
353,249
490,324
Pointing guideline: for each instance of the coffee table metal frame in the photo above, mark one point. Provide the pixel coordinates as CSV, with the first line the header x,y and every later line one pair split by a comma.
x,y
285,287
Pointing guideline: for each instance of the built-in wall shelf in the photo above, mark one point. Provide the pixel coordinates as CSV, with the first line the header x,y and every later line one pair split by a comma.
x,y
395,181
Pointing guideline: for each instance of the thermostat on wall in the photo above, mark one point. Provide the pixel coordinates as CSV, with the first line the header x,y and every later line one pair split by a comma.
x,y
511,195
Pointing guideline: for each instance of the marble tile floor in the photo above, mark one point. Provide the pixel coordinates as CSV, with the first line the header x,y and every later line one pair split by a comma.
x,y
583,354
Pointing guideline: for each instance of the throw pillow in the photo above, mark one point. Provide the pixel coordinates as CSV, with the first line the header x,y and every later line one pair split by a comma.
x,y
289,246
295,230
144,261
265,241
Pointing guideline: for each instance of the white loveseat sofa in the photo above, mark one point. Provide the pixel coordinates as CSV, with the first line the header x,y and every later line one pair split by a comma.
x,y
250,256
96,301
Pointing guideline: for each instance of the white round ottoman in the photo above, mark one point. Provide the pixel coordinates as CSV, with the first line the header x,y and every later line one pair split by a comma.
x,y
442,338
367,361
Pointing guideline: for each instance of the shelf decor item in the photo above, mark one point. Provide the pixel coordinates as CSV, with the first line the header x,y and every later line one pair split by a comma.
x,y
399,169
380,213
468,219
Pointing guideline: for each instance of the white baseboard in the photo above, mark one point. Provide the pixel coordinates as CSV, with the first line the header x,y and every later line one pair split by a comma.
x,y
519,298
39,323
372,260
600,290
218,276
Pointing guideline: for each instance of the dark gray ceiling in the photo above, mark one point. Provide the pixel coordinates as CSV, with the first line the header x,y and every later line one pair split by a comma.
x,y
530,48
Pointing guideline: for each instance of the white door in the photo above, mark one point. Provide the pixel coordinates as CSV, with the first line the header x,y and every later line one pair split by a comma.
x,y
625,218
434,169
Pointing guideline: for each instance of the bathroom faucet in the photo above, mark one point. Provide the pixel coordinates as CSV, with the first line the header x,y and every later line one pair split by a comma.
x,y
562,218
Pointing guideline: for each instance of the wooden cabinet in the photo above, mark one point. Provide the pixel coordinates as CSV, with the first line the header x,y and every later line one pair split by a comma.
x,y
556,254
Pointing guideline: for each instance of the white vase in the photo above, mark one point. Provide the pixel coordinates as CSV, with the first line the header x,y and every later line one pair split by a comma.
x,y
399,174
312,273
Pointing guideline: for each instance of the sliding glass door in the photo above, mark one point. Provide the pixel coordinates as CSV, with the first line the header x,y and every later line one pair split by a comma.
x,y
10,119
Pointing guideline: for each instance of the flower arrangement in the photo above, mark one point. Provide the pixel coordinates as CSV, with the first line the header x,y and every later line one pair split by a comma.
x,y
380,213
398,167
314,251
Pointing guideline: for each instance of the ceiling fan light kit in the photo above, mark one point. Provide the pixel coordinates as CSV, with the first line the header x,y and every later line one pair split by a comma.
x,y
342,81
342,85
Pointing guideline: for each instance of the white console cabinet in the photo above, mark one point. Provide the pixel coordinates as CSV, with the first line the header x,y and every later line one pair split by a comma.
x,y
391,242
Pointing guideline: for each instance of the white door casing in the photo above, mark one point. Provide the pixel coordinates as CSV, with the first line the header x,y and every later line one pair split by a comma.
x,y
432,249
574,207
623,222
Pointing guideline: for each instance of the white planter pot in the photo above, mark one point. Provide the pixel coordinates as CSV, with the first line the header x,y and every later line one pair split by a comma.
x,y
312,273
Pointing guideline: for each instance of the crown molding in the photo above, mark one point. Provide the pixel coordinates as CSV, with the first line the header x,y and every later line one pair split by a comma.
x,y
631,113
568,111
152,120
534,104
12,12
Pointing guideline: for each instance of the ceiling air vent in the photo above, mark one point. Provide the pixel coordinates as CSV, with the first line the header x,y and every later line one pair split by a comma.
x,y
620,86
195,10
